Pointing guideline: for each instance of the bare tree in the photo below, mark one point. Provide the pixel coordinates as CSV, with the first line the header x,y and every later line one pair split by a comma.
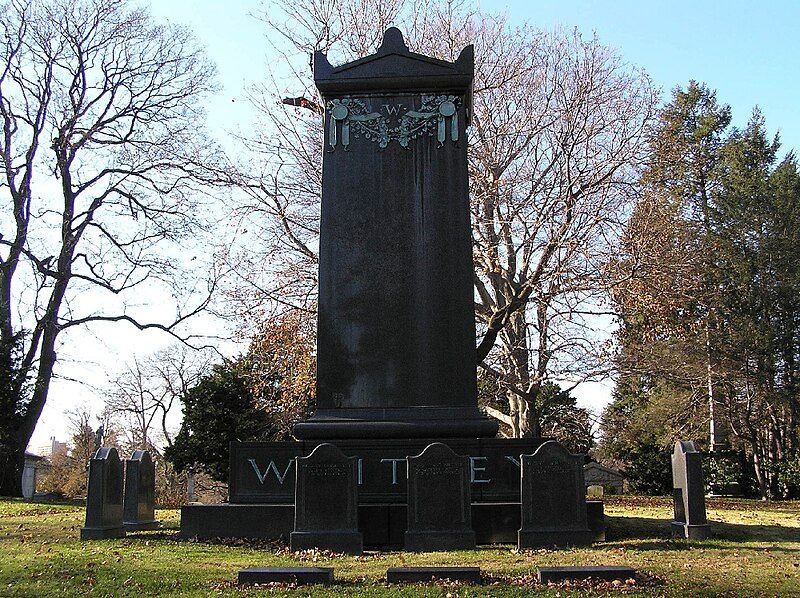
x,y
101,132
68,472
145,393
559,132
559,124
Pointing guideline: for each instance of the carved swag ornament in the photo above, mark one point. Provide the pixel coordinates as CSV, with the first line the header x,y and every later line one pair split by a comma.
x,y
350,117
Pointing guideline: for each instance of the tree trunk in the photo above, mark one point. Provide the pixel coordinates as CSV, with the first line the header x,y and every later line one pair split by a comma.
x,y
515,364
12,463
759,468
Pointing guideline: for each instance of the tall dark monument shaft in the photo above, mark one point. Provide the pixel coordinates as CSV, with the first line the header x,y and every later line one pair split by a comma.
x,y
396,330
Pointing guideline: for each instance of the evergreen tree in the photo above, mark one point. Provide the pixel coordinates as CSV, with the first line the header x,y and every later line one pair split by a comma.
x,y
755,230
710,313
218,410
667,368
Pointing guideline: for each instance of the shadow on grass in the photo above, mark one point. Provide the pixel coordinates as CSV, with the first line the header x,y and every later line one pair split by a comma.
x,y
738,532
643,533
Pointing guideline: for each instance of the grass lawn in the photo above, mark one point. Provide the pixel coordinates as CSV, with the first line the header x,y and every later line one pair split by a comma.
x,y
755,551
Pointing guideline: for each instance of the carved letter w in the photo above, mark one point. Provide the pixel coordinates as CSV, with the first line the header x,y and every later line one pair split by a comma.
x,y
271,467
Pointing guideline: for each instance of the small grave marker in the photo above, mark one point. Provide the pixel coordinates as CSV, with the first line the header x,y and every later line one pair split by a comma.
x,y
439,506
556,574
424,574
594,492
326,502
298,575
553,499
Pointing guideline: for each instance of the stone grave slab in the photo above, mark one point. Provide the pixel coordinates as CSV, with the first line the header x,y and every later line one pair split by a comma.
x,y
326,502
140,493
298,575
439,506
553,499
424,574
556,574
688,492
104,497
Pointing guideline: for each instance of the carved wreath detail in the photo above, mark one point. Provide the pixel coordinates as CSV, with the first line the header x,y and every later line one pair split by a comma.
x,y
350,117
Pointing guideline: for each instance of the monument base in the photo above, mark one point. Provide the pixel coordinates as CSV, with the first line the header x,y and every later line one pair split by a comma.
x,y
140,526
383,525
413,422
267,522
691,532
439,541
346,542
102,533
560,538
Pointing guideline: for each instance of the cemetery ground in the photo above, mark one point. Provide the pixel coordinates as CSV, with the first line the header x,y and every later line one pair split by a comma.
x,y
754,551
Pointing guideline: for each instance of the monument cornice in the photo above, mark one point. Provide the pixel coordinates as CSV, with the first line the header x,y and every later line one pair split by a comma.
x,y
394,68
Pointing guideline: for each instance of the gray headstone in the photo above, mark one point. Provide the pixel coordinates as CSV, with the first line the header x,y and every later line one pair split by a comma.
x,y
396,327
611,480
688,492
326,502
439,505
553,499
139,512
104,497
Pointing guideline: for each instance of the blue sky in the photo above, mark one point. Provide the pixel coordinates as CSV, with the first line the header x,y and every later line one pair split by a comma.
x,y
748,51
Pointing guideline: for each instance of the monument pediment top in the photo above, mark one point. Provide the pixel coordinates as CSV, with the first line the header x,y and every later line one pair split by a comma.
x,y
395,68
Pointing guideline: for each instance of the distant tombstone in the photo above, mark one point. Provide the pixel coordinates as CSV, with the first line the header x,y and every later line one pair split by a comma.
x,y
688,493
553,499
595,491
104,497
140,493
326,502
439,506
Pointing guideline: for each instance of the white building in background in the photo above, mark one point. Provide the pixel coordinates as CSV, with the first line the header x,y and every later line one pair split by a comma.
x,y
37,465
57,448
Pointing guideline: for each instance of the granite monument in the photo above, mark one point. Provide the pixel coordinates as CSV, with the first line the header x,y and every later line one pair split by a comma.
x,y
396,357
396,325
